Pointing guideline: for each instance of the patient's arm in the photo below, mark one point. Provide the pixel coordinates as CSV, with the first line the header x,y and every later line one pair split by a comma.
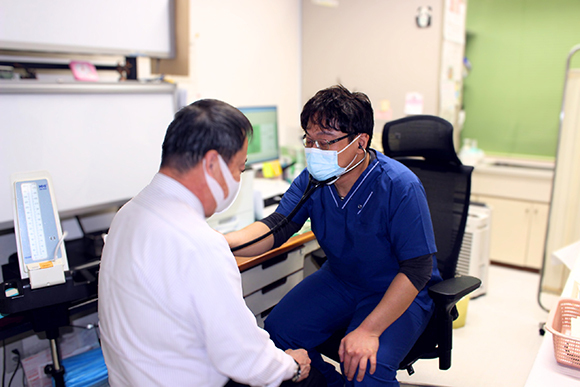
x,y
257,229
247,234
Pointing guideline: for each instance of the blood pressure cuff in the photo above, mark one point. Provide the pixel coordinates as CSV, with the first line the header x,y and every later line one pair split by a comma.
x,y
283,233
418,270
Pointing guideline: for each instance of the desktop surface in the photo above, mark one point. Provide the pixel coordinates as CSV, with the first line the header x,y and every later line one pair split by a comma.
x,y
245,263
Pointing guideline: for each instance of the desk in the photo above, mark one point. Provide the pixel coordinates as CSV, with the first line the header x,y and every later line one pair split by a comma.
x,y
19,323
74,297
546,371
268,277
245,263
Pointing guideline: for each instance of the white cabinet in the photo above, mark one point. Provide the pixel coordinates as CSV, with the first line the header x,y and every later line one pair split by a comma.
x,y
518,230
518,194
264,285
537,235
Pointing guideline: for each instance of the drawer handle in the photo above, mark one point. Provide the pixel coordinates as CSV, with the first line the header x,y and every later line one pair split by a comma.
x,y
274,261
274,285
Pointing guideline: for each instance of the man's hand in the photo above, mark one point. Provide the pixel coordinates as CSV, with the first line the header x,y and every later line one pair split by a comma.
x,y
301,356
356,350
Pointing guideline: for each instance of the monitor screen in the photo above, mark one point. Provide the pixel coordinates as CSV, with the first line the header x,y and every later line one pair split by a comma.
x,y
263,145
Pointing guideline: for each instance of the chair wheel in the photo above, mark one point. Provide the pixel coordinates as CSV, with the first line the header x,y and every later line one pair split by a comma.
x,y
542,331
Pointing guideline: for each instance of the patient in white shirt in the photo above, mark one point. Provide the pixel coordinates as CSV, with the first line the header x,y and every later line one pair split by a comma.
x,y
171,308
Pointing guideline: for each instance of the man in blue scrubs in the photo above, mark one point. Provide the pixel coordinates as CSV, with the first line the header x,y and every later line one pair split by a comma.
x,y
372,220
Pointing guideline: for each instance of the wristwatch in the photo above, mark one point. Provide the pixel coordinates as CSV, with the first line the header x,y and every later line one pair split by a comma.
x,y
297,374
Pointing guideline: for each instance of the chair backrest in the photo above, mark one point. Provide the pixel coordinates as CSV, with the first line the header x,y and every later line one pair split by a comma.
x,y
425,145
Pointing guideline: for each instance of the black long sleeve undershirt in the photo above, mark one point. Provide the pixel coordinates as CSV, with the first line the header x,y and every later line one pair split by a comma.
x,y
418,270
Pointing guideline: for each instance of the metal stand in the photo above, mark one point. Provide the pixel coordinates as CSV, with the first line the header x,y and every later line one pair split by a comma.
x,y
47,309
574,50
55,370
49,320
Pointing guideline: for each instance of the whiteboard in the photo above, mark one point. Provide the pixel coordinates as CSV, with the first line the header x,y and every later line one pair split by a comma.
x,y
113,27
101,143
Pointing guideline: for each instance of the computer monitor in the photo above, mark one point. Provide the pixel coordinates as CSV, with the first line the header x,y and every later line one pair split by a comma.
x,y
263,145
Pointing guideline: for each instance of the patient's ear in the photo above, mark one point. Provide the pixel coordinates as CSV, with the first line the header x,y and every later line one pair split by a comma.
x,y
211,162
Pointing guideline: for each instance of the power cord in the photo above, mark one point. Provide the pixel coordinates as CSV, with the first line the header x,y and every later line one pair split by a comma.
x,y
4,362
18,364
19,356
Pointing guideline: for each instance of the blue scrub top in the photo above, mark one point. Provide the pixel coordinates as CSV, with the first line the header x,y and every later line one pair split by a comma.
x,y
384,219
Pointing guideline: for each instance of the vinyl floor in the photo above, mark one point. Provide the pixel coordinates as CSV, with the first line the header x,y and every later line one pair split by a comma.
x,y
499,341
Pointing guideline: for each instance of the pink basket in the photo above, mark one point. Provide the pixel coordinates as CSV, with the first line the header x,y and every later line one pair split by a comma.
x,y
566,347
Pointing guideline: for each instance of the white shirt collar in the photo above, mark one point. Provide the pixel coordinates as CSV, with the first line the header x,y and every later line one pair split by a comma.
x,y
172,187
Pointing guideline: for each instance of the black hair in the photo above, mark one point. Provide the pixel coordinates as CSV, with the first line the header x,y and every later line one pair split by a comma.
x,y
338,109
200,127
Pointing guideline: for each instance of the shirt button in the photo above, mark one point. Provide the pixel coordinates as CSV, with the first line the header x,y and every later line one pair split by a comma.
x,y
359,206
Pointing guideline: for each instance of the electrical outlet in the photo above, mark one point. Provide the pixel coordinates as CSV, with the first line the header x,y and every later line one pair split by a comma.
x,y
11,358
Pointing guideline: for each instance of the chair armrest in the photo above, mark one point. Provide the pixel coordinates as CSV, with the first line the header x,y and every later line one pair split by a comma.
x,y
448,292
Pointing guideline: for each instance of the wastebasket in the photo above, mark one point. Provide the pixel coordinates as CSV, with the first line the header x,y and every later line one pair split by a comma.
x,y
462,310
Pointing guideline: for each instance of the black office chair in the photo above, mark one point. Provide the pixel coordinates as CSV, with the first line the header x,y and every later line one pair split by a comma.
x,y
425,145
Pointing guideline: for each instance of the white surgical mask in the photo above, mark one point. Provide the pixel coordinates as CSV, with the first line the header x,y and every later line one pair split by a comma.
x,y
323,164
223,203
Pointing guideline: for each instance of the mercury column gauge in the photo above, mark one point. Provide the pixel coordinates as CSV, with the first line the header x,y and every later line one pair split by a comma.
x,y
39,238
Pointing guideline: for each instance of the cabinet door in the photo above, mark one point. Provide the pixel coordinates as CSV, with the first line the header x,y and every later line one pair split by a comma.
x,y
537,238
510,221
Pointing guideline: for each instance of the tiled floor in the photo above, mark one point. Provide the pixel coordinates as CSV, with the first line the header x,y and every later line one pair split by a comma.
x,y
500,339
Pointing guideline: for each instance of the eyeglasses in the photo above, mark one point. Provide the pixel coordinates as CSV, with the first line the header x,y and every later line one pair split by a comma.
x,y
320,144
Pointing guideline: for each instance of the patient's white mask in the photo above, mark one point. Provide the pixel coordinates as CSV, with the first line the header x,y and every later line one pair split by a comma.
x,y
223,203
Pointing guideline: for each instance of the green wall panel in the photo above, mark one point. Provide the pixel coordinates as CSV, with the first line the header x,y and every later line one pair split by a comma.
x,y
513,94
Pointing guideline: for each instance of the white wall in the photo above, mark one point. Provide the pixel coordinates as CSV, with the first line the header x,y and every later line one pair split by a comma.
x,y
247,53
374,47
